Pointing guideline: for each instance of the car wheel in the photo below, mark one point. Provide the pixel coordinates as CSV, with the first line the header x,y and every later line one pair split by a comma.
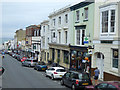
x,y
62,82
29,65
37,69
52,77
46,74
73,87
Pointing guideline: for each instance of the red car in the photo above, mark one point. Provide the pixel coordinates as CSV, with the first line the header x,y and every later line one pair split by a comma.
x,y
23,59
108,85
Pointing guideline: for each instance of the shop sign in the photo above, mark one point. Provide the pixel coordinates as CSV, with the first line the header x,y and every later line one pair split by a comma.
x,y
89,51
86,40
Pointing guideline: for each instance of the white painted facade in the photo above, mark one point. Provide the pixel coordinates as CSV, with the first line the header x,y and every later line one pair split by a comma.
x,y
60,27
106,42
45,39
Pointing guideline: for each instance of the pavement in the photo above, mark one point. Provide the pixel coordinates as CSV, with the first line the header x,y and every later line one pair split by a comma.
x,y
93,81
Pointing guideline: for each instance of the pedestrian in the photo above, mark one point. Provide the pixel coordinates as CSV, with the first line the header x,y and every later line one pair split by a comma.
x,y
96,75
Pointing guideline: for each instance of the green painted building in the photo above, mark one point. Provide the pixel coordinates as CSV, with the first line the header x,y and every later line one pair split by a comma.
x,y
82,31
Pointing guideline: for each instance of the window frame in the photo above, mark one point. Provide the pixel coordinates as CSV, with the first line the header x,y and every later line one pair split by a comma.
x,y
86,12
115,58
108,8
79,36
77,15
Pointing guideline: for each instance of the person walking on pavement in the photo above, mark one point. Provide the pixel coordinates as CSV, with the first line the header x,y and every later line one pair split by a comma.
x,y
96,73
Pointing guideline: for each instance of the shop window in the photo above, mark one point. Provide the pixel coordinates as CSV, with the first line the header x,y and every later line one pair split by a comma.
x,y
58,54
66,57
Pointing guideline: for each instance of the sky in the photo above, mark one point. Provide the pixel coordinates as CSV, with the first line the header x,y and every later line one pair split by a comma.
x,y
18,14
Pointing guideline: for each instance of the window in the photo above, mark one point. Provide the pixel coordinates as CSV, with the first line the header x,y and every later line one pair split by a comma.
x,y
39,32
59,37
66,18
66,57
66,37
44,28
80,34
108,21
86,13
54,34
60,70
112,87
48,39
36,32
58,54
59,22
104,21
115,58
101,86
78,37
45,56
112,29
67,75
53,22
77,15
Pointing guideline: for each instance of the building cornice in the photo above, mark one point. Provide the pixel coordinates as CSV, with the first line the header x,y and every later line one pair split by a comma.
x,y
108,4
60,11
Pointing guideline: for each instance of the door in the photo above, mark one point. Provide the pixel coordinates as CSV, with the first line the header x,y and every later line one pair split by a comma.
x,y
67,79
100,64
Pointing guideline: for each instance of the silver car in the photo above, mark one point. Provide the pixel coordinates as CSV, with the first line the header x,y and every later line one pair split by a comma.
x,y
29,62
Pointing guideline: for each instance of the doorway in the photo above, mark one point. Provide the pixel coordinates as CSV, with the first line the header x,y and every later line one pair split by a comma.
x,y
100,64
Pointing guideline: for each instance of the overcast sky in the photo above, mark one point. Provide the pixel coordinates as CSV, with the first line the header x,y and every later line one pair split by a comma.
x,y
18,14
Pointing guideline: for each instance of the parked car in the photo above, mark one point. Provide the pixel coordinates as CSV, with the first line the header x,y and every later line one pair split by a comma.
x,y
29,62
13,55
23,59
55,72
76,79
40,66
108,85
19,57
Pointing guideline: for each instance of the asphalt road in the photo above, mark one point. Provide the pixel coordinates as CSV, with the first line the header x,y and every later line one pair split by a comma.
x,y
18,76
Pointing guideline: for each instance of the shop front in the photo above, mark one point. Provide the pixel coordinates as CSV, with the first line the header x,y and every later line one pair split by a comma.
x,y
80,59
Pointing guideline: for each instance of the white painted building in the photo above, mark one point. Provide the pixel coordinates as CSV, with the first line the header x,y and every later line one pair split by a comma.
x,y
106,55
45,39
60,36
36,42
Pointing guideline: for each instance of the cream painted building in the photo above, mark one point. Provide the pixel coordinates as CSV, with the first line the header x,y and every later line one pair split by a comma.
x,y
106,53
45,37
60,36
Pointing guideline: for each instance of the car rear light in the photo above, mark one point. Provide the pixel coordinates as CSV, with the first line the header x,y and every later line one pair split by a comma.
x,y
55,73
0,69
91,81
31,61
77,81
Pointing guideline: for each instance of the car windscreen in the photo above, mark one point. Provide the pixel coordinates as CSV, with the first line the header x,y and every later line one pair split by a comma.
x,y
60,70
83,76
34,60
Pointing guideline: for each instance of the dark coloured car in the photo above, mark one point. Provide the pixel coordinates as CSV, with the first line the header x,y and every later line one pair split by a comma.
x,y
76,79
108,85
40,66
19,58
